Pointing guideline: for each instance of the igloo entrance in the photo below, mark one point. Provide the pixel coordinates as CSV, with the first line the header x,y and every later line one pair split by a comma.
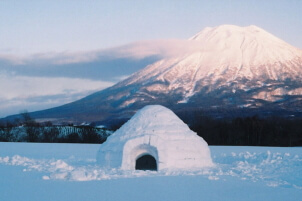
x,y
138,155
146,162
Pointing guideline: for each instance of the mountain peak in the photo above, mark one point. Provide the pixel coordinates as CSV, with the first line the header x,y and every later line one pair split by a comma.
x,y
243,46
228,30
226,54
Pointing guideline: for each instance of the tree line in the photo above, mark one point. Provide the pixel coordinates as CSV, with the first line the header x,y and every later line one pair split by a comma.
x,y
28,130
246,131
240,131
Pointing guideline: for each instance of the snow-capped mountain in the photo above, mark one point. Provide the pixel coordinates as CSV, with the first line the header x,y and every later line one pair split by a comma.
x,y
233,67
228,54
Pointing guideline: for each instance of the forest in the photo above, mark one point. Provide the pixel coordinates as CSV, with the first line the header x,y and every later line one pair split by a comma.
x,y
29,130
247,131
240,131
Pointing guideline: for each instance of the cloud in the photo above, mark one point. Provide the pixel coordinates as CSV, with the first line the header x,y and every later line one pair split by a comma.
x,y
26,87
163,48
138,50
33,92
121,77
53,58
43,80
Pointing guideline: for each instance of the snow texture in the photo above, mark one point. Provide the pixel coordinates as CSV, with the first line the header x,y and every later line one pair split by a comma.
x,y
156,131
33,171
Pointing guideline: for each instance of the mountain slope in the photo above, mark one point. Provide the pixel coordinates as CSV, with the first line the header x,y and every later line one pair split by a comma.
x,y
227,54
233,67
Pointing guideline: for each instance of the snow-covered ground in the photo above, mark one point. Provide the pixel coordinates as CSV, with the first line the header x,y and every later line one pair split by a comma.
x,y
69,172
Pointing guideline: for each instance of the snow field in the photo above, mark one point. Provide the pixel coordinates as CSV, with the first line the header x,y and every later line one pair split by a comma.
x,y
63,172
276,167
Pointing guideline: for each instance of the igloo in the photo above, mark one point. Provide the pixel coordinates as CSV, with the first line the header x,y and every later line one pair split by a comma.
x,y
154,139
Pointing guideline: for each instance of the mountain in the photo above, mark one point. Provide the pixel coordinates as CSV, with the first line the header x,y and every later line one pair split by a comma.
x,y
234,68
228,55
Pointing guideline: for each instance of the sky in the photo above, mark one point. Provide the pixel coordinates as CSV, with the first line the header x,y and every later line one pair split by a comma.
x,y
53,52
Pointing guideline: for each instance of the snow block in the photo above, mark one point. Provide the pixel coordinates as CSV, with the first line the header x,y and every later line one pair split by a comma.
x,y
158,132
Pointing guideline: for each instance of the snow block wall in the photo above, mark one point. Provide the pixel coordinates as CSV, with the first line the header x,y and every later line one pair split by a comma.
x,y
158,132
